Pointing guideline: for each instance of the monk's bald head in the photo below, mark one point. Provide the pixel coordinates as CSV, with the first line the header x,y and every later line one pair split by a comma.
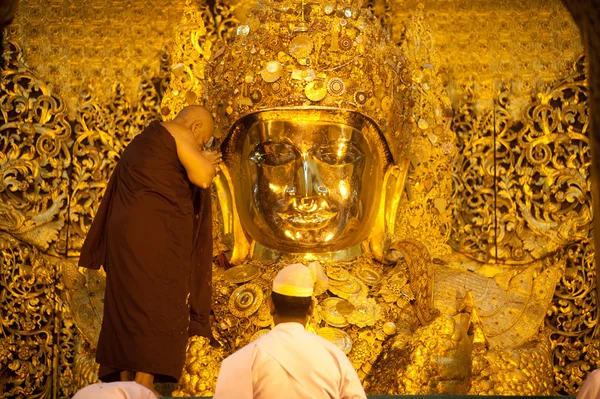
x,y
192,113
199,120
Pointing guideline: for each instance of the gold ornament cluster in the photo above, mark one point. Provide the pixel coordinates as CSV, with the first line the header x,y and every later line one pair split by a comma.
x,y
361,304
323,54
201,369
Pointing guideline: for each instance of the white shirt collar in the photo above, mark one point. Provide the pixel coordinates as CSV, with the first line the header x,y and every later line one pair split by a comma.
x,y
289,326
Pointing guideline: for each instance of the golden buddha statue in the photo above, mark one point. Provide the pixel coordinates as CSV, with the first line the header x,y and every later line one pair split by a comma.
x,y
317,110
312,144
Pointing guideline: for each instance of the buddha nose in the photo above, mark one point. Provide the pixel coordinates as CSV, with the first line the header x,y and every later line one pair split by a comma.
x,y
308,179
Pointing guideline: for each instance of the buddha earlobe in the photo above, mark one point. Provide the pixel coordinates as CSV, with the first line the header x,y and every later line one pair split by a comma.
x,y
232,226
392,190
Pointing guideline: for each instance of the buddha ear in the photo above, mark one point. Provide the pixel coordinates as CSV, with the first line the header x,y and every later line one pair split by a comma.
x,y
391,194
233,233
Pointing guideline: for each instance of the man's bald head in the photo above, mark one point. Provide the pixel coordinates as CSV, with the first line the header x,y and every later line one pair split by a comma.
x,y
199,120
192,113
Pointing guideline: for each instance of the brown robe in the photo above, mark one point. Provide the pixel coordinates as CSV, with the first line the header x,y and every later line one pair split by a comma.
x,y
153,235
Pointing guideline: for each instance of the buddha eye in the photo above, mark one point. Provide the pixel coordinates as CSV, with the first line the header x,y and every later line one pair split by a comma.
x,y
339,153
273,154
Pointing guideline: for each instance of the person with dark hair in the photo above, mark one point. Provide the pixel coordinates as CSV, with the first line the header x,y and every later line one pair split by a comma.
x,y
289,361
289,307
153,236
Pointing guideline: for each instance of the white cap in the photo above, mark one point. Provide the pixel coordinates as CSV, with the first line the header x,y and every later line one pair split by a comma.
x,y
294,280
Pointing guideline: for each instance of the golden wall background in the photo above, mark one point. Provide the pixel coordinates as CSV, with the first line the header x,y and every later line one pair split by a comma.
x,y
485,44
91,45
481,44
86,75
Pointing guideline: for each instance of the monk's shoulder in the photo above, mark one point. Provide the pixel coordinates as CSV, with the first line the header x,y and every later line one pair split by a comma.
x,y
173,129
181,135
166,128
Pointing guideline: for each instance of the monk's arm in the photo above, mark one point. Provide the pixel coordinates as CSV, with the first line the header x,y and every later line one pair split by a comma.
x,y
200,169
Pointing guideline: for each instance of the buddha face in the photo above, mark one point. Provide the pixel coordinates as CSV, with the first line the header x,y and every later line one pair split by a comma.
x,y
306,184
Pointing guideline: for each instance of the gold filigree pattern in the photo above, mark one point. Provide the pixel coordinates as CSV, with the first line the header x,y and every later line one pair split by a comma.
x,y
572,320
222,18
28,303
90,45
55,168
35,139
101,134
539,179
544,204
191,52
77,365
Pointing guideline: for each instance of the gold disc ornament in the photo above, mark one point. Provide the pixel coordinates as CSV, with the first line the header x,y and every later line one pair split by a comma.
x,y
336,87
338,274
245,300
272,71
338,337
369,275
365,313
301,46
348,288
315,91
241,274
331,314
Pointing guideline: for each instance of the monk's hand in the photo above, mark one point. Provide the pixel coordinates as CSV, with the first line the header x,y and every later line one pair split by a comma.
x,y
213,156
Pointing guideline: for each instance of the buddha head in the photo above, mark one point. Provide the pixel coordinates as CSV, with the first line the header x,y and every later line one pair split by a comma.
x,y
312,107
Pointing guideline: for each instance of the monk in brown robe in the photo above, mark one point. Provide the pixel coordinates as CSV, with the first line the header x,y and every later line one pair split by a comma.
x,y
153,236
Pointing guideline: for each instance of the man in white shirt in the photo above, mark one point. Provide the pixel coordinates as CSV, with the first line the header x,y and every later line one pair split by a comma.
x,y
289,361
115,390
591,386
